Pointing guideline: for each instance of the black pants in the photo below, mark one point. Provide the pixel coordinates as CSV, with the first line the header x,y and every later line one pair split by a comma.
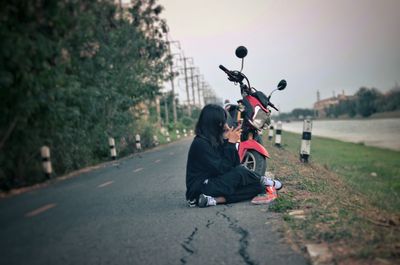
x,y
239,184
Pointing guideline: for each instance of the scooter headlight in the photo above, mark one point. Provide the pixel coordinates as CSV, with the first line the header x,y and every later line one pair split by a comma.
x,y
260,118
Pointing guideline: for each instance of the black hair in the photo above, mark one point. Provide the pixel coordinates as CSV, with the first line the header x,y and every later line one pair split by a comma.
x,y
211,124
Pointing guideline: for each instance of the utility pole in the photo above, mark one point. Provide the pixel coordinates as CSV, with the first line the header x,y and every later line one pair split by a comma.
x,y
209,94
192,83
172,82
205,95
166,109
120,9
198,89
158,109
203,90
187,85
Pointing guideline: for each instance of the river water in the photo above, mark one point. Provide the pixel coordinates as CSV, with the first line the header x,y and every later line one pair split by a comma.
x,y
383,133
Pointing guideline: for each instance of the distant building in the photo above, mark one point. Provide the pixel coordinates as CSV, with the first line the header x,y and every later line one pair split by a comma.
x,y
322,104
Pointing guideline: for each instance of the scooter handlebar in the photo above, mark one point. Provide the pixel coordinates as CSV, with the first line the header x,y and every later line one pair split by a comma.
x,y
233,76
223,68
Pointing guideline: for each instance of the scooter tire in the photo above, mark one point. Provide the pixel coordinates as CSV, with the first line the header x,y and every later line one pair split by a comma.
x,y
260,162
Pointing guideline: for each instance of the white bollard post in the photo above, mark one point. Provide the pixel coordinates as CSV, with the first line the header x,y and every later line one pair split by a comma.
x,y
138,144
168,138
178,134
184,133
46,162
271,132
278,135
305,148
113,151
155,140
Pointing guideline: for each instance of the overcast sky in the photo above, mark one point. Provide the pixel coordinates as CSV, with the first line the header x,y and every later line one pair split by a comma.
x,y
328,46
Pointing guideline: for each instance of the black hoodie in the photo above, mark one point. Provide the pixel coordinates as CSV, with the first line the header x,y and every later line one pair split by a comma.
x,y
205,162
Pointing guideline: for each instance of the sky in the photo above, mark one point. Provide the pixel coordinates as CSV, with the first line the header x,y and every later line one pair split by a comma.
x,y
330,46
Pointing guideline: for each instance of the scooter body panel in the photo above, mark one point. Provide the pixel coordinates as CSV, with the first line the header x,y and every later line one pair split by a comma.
x,y
251,144
255,102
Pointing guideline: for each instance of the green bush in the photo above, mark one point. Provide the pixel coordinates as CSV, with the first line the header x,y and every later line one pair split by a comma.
x,y
187,122
70,72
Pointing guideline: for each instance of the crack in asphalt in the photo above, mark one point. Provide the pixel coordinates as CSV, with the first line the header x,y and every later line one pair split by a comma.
x,y
186,245
243,241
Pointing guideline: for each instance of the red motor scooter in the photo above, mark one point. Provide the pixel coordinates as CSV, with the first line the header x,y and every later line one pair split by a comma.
x,y
253,114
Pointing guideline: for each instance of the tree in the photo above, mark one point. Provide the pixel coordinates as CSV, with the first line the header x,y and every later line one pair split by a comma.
x,y
390,101
70,71
366,101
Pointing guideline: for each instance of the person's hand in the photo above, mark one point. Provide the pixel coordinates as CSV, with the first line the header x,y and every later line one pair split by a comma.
x,y
233,134
226,130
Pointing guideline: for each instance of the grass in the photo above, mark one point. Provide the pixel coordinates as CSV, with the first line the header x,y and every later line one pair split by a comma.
x,y
283,203
372,171
345,206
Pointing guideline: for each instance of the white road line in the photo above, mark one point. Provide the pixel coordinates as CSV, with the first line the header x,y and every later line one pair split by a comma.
x,y
40,210
171,153
138,169
157,161
105,184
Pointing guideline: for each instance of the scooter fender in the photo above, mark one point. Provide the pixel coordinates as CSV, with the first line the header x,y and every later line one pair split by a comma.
x,y
251,144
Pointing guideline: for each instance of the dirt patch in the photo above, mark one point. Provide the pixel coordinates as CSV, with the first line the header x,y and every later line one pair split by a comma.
x,y
355,231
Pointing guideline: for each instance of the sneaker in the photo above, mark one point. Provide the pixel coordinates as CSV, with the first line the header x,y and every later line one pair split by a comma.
x,y
277,184
205,201
191,203
271,182
270,196
271,190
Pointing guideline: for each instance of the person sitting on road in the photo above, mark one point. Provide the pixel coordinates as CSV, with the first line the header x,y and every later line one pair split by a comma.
x,y
213,172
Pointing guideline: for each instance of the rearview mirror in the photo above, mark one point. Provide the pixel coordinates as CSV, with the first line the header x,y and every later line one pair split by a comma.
x,y
241,52
282,84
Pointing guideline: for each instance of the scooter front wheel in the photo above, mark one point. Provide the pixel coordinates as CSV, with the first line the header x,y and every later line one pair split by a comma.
x,y
254,161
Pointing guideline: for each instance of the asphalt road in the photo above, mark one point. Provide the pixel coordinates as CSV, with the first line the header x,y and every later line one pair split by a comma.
x,y
135,213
